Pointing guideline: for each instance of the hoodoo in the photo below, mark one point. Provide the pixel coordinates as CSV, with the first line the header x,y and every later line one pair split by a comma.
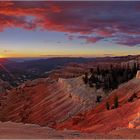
x,y
138,74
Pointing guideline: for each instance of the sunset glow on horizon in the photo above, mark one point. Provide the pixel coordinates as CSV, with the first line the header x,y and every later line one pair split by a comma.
x,y
85,29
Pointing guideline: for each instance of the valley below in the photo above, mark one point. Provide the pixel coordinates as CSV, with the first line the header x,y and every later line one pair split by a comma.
x,y
62,106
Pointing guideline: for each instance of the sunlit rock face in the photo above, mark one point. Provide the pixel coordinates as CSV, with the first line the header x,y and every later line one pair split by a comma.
x,y
80,92
136,122
131,62
99,119
138,74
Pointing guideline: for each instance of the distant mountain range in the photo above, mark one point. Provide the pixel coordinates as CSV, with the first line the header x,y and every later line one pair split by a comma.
x,y
18,70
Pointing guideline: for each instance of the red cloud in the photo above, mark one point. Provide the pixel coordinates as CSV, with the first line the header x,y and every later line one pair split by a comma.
x,y
5,3
104,33
10,21
83,18
129,41
91,39
56,9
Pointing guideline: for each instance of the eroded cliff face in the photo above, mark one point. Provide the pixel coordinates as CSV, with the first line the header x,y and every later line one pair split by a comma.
x,y
99,119
131,62
78,91
70,104
136,122
138,74
47,101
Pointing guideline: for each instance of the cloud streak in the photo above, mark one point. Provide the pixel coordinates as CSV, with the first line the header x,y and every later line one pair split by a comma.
x,y
91,21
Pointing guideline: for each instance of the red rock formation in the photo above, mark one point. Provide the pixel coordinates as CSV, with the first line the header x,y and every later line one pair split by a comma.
x,y
136,122
10,130
56,103
138,74
44,102
102,120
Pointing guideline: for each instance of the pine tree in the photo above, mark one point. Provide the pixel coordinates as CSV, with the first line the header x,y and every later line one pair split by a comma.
x,y
91,70
116,103
98,70
134,69
107,105
85,78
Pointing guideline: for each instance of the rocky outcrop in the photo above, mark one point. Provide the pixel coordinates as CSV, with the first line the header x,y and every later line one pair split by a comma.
x,y
47,102
131,62
78,91
99,119
10,130
138,74
136,122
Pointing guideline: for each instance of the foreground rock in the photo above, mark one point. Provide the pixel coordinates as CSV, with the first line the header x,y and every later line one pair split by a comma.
x,y
136,122
11,130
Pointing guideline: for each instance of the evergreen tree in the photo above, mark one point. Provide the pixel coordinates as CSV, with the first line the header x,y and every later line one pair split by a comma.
x,y
134,69
111,67
85,78
98,70
116,103
138,66
91,70
107,105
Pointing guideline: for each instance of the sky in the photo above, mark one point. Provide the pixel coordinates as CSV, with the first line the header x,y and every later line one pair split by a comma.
x,y
62,28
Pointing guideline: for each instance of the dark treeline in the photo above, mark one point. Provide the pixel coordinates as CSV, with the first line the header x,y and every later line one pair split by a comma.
x,y
110,78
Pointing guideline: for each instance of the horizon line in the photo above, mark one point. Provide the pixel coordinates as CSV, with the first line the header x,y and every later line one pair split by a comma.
x,y
65,56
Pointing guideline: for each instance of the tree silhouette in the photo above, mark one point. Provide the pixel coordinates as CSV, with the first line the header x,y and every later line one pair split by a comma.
x,y
85,78
116,103
110,78
107,105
